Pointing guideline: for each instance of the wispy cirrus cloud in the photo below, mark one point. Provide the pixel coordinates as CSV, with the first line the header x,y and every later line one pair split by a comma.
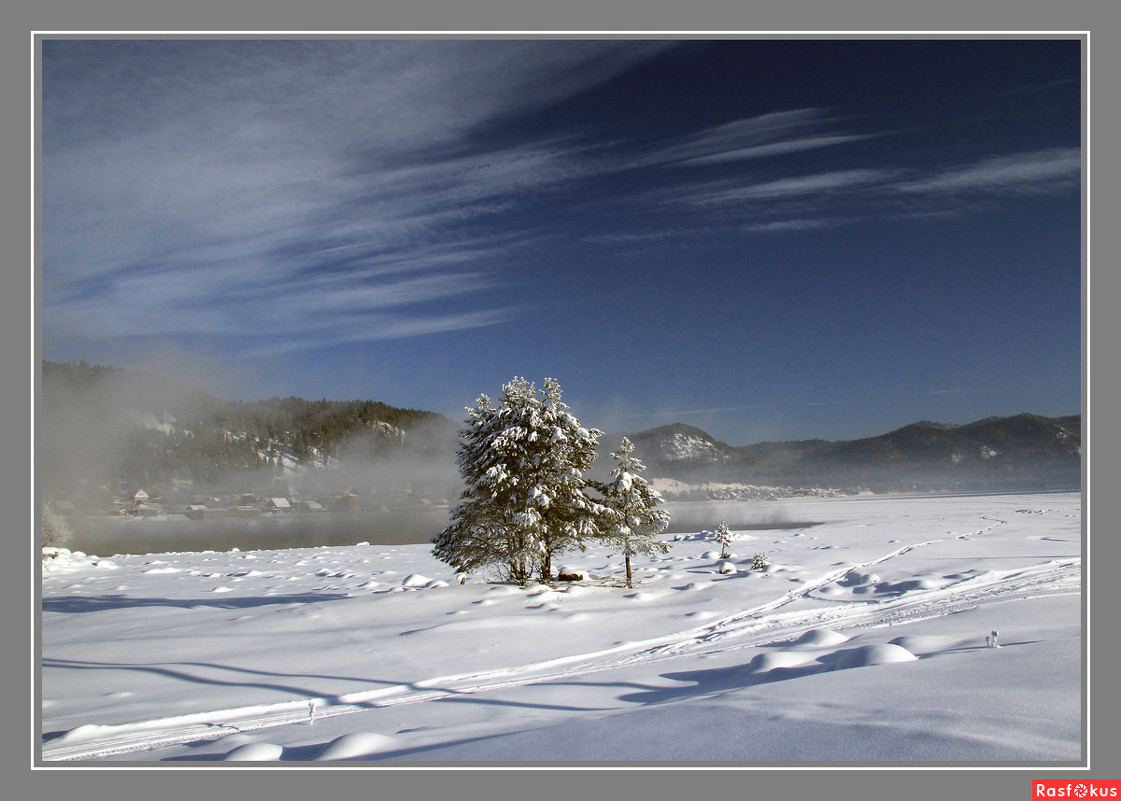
x,y
1033,172
765,135
775,149
379,327
210,186
217,186
793,224
818,185
590,201
838,197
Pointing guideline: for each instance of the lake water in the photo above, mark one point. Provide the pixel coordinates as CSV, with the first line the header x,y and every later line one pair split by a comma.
x,y
107,535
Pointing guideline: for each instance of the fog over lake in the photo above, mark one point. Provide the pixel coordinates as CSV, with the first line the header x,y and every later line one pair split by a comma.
x,y
107,535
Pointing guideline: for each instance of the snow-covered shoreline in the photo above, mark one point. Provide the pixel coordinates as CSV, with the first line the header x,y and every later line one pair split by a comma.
x,y
862,642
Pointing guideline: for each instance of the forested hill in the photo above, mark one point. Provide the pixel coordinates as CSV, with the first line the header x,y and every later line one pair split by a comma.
x,y
108,426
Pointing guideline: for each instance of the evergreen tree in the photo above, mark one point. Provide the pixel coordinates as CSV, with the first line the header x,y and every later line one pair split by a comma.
x,y
633,512
481,532
525,500
725,538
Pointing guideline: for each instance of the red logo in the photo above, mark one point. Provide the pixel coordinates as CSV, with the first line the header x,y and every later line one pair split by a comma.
x,y
1076,788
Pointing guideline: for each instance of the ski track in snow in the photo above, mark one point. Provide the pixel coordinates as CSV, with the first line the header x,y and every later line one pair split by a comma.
x,y
765,624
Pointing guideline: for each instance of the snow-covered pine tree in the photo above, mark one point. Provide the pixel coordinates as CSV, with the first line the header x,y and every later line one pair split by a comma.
x,y
725,538
632,503
525,501
481,533
570,518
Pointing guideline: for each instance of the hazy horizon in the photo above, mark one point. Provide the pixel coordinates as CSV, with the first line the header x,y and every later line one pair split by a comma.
x,y
136,384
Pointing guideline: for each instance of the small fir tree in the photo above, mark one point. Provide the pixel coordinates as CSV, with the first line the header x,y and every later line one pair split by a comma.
x,y
725,538
632,509
759,562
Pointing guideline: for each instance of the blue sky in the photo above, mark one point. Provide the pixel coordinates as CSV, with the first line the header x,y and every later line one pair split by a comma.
x,y
769,239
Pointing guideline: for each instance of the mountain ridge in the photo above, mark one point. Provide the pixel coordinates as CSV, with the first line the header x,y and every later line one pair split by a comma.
x,y
991,453
101,425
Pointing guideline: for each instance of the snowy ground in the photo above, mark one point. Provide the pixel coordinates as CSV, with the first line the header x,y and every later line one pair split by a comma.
x,y
863,642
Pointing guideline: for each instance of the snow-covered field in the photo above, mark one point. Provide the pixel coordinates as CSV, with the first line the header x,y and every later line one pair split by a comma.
x,y
863,642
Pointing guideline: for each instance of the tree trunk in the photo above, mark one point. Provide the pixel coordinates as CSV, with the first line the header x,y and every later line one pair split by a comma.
x,y
629,585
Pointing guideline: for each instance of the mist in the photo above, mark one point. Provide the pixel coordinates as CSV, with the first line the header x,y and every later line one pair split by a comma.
x,y
697,516
142,463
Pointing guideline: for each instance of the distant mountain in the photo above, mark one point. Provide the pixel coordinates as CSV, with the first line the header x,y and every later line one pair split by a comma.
x,y
681,444
1022,451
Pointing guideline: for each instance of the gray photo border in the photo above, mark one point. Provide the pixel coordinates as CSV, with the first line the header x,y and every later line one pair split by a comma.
x,y
21,357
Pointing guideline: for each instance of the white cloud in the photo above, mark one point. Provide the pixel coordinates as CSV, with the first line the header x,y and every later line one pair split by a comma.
x,y
818,184
774,149
193,187
295,188
726,140
1038,171
790,225
827,199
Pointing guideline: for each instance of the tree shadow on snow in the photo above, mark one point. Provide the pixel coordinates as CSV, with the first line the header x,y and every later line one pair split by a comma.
x,y
181,671
717,680
77,604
